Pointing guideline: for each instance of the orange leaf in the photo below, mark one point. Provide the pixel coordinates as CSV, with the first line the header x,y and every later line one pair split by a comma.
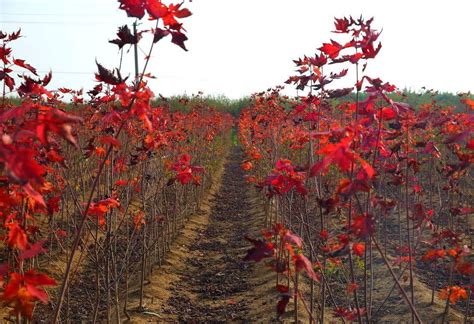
x,y
16,236
454,293
358,249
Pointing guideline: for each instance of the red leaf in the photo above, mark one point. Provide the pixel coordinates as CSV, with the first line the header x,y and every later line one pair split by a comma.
x,y
53,205
348,313
470,144
282,288
160,34
401,107
53,120
38,279
110,140
388,113
369,51
39,294
282,303
23,290
358,249
363,225
103,206
292,238
302,263
464,268
347,187
35,195
185,176
178,38
339,75
9,82
468,102
318,60
22,64
337,93
134,8
4,54
355,57
108,76
332,50
125,36
453,293
47,79
121,183
183,13
139,220
247,166
22,166
54,156
369,170
157,10
342,25
14,35
320,167
260,250
324,235
34,250
17,237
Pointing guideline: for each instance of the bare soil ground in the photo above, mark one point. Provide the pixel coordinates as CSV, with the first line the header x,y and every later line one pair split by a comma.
x,y
204,278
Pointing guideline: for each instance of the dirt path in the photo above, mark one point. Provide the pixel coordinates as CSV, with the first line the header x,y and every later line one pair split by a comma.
x,y
214,272
204,278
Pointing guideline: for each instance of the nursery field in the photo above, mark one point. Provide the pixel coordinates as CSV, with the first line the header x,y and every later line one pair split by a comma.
x,y
340,204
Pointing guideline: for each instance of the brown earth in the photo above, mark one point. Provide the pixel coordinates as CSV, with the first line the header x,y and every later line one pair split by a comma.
x,y
204,277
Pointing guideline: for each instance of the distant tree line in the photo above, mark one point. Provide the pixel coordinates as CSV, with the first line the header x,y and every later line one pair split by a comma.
x,y
234,106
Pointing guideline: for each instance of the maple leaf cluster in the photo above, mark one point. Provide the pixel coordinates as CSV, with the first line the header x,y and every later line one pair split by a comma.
x,y
285,178
22,291
276,242
185,172
156,10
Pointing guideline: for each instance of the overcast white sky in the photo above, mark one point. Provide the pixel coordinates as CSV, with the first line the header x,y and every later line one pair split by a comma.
x,y
237,47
